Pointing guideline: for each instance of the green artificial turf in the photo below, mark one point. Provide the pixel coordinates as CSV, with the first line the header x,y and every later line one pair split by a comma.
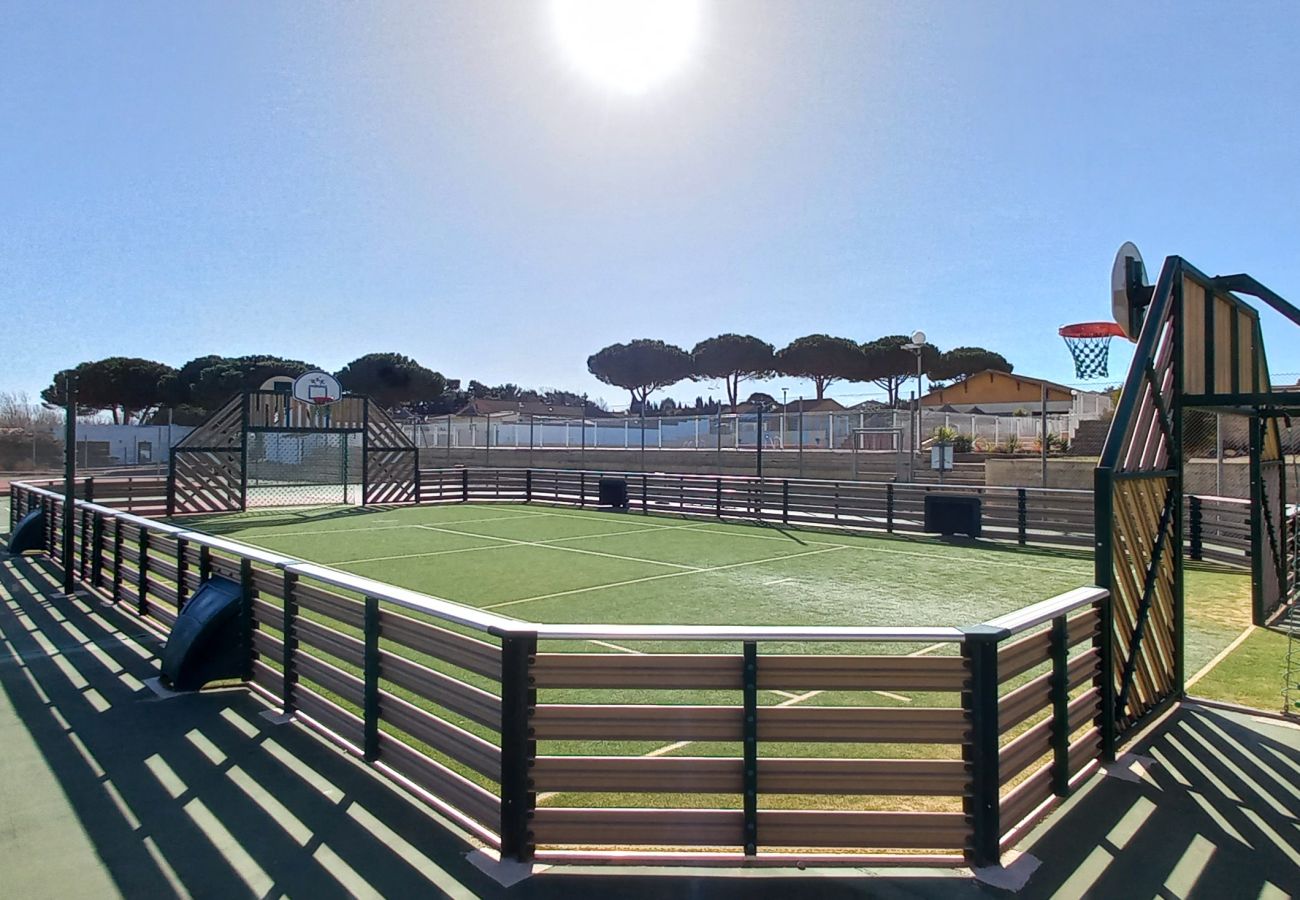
x,y
570,565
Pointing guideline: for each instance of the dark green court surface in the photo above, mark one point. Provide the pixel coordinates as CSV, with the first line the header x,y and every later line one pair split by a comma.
x,y
107,789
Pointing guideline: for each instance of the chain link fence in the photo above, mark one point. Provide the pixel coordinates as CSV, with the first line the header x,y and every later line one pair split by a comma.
x,y
776,430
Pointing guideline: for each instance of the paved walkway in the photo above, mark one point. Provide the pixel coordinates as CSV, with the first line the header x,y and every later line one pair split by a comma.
x,y
107,790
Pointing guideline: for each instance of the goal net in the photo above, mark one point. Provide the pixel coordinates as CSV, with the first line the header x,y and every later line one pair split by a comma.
x,y
303,469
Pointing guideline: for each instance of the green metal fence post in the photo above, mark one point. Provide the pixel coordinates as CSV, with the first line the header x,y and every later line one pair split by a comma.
x,y
582,489
142,587
750,749
83,566
1195,527
247,595
1022,515
645,501
118,555
1058,642
717,500
528,486
518,747
289,633
889,507
981,801
785,501
464,485
1104,642
182,567
370,703
97,550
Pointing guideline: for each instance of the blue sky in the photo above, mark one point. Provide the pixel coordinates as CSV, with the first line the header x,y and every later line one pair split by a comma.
x,y
326,180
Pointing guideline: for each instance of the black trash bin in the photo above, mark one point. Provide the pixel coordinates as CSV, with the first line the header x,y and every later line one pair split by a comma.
x,y
953,514
613,493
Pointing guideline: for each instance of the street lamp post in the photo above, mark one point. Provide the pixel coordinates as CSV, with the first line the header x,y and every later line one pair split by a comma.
x,y
916,346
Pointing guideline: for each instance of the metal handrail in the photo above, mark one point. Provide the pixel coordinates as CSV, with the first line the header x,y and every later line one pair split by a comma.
x,y
1046,610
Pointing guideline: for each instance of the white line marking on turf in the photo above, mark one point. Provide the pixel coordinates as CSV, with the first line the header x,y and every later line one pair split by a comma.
x,y
778,581
1209,666
501,545
698,571
653,562
812,542
893,696
617,647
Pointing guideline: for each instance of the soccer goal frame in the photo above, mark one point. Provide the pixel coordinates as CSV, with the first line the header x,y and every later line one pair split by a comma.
x,y
209,468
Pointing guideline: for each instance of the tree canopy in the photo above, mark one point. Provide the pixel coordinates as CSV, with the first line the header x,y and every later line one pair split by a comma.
x,y
888,365
821,358
209,381
733,358
641,367
128,388
392,380
959,362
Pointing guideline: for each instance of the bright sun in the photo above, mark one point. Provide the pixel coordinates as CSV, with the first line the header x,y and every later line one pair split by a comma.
x,y
627,45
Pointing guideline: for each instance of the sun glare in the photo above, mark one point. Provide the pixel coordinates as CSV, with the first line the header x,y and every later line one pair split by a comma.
x,y
627,45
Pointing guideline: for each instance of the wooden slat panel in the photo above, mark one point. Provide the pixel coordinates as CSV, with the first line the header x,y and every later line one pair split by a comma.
x,y
161,591
910,777
160,566
1025,797
470,750
269,582
1083,668
1085,749
891,830
621,670
268,646
268,677
1022,752
331,678
610,723
477,802
344,609
266,614
470,654
465,699
162,614
336,719
723,723
862,725
1194,324
914,673
336,643
621,827
1023,702
1083,627
1084,708
1023,654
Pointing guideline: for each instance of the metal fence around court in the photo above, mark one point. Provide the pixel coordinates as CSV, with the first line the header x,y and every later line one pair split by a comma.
x,y
775,430
466,706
